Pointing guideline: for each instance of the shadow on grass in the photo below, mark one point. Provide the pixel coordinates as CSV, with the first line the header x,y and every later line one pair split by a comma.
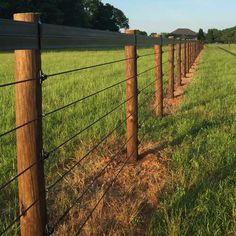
x,y
225,50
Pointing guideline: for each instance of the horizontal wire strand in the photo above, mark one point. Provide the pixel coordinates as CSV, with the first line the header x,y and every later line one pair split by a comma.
x,y
89,67
28,208
146,55
31,205
16,82
18,217
81,99
87,127
91,150
87,154
18,175
91,184
104,194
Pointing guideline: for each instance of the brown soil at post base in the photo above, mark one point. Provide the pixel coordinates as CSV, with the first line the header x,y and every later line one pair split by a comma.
x,y
171,105
129,205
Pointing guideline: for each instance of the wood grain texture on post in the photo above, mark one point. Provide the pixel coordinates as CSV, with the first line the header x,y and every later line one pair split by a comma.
x,y
192,52
178,55
29,138
132,97
183,70
186,52
159,78
171,82
189,57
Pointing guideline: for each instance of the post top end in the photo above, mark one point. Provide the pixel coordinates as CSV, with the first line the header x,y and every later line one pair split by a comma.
x,y
156,35
130,31
27,16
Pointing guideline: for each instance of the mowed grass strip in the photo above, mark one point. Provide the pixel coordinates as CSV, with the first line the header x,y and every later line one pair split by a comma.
x,y
201,199
58,127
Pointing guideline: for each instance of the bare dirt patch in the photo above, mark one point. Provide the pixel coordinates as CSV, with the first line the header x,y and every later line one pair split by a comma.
x,y
171,105
128,206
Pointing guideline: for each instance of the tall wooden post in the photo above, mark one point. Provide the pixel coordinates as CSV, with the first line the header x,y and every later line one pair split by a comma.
x,y
178,53
183,60
193,53
132,97
190,54
171,69
187,59
29,138
159,77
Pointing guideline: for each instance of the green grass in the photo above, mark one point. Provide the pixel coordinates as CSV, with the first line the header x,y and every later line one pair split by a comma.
x,y
58,127
201,199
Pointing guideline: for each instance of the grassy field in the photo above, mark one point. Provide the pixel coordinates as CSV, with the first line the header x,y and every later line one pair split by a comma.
x,y
201,198
58,127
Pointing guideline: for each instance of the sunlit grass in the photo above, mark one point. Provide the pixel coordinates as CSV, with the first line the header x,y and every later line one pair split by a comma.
x,y
58,127
201,200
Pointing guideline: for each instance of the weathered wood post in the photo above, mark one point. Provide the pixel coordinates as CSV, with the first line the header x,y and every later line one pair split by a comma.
x,y
132,99
171,68
193,55
159,77
187,59
178,54
183,70
189,56
29,138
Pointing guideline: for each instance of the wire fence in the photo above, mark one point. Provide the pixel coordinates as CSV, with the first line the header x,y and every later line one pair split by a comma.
x,y
65,38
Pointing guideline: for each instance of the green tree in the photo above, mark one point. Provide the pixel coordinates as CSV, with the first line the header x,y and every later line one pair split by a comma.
x,y
201,35
142,33
210,36
107,17
82,13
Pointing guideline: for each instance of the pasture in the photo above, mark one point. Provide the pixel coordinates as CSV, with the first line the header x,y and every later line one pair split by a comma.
x,y
201,198
199,138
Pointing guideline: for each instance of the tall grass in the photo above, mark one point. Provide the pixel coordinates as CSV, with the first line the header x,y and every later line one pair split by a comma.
x,y
58,127
201,199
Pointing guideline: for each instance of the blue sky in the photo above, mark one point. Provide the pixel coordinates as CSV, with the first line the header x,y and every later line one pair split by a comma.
x,y
167,15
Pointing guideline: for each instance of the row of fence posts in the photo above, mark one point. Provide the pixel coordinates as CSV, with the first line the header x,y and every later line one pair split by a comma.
x,y
31,184
186,54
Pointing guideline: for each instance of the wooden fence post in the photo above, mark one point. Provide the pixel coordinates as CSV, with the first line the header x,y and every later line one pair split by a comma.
x,y
186,51
132,97
178,53
171,68
193,52
183,60
159,78
189,57
29,138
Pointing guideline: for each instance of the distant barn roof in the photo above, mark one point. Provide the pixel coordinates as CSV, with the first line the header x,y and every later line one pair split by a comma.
x,y
184,31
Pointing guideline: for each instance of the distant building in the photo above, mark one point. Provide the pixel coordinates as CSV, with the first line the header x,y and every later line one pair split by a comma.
x,y
184,34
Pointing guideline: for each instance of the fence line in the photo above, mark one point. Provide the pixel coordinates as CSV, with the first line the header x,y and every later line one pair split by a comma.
x,y
28,39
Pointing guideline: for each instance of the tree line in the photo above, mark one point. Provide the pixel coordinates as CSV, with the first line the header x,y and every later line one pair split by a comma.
x,y
80,13
215,35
